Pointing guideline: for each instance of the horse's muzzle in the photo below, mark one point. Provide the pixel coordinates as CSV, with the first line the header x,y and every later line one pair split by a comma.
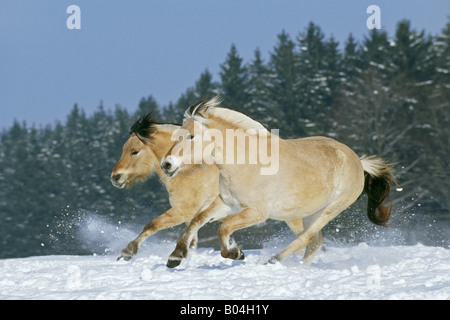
x,y
116,181
168,168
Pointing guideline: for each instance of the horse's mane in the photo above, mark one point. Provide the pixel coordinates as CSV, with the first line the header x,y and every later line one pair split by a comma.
x,y
203,110
146,127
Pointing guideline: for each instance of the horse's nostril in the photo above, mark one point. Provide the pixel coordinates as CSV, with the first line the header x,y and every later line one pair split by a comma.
x,y
166,165
115,177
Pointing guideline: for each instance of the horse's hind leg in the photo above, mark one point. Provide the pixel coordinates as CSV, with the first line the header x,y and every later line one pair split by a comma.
x,y
311,248
296,227
313,245
315,223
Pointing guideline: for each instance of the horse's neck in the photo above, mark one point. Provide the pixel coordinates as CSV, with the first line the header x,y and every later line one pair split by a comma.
x,y
235,141
161,144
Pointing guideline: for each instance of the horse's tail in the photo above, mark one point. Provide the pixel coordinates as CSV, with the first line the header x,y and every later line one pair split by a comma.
x,y
378,182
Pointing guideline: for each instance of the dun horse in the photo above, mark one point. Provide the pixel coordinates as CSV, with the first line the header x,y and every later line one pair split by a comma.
x,y
317,178
190,192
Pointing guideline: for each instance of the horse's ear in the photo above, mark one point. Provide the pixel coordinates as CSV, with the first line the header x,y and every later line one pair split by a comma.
x,y
151,132
141,137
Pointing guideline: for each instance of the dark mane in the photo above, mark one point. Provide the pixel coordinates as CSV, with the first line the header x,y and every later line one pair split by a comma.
x,y
144,128
196,108
203,110
199,109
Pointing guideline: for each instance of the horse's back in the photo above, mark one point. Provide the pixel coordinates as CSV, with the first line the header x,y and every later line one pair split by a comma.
x,y
315,141
320,150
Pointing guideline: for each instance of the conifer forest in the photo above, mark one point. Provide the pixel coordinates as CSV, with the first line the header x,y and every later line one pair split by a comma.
x,y
385,94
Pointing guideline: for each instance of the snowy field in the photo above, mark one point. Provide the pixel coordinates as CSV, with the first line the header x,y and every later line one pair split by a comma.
x,y
358,272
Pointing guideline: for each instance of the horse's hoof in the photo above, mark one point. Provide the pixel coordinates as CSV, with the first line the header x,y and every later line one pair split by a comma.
x,y
233,254
172,263
272,260
128,252
124,257
125,254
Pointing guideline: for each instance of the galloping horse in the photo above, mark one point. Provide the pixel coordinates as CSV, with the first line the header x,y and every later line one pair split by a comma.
x,y
316,179
189,193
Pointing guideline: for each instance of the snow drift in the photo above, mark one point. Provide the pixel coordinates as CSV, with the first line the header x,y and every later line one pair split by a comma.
x,y
381,268
357,272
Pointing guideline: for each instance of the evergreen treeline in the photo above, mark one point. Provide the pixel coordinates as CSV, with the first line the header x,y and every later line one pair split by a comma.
x,y
385,95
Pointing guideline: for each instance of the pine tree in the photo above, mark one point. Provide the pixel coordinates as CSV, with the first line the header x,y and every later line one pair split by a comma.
x,y
319,79
437,120
259,106
204,88
283,88
441,51
147,105
351,71
77,141
234,80
376,53
169,114
351,60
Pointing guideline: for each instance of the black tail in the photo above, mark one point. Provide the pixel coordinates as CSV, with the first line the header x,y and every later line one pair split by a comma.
x,y
377,185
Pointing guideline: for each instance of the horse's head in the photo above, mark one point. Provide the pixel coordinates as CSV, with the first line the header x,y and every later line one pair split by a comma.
x,y
192,147
194,142
138,160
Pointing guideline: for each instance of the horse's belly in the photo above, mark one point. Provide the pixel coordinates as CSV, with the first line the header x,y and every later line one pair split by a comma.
x,y
297,207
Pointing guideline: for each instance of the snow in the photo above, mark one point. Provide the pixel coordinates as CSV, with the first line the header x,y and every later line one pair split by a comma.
x,y
355,272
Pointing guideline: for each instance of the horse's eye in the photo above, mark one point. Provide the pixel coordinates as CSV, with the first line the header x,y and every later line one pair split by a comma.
x,y
135,152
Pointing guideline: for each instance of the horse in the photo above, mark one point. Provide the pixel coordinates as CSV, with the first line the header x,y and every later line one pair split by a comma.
x,y
189,193
315,180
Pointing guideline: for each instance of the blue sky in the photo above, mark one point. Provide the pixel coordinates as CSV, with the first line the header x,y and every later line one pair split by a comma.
x,y
126,50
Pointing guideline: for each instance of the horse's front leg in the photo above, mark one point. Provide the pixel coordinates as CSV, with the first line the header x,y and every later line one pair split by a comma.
x,y
215,211
170,218
194,241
